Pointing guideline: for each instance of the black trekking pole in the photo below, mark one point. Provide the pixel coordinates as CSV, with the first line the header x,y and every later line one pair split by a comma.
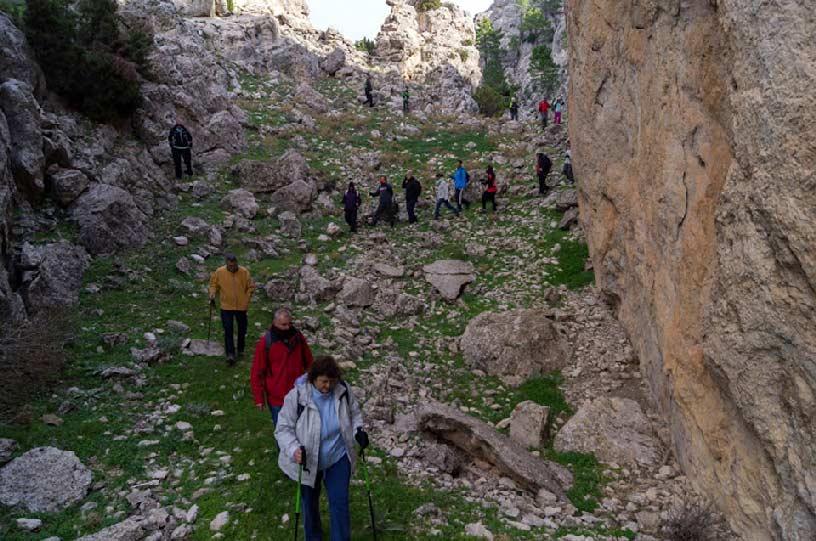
x,y
300,477
209,320
368,489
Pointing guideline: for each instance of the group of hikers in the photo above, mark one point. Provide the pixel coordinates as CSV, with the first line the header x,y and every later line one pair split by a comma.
x,y
543,109
316,416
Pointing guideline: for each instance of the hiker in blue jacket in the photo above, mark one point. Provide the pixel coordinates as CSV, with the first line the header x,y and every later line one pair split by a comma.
x,y
460,180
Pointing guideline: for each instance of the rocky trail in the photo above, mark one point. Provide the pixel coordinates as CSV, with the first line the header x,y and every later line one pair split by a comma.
x,y
478,346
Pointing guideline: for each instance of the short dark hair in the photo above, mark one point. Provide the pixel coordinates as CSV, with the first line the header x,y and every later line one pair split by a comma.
x,y
324,365
229,256
460,162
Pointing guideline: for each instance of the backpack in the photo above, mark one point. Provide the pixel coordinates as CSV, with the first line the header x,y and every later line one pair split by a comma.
x,y
179,138
300,406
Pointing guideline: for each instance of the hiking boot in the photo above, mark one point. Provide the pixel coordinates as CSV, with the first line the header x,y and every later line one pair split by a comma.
x,y
230,360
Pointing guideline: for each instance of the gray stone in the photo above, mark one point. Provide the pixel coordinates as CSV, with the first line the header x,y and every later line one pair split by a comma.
x,y
241,201
29,524
312,99
53,275
7,448
334,61
220,520
22,114
289,224
280,290
528,424
569,219
314,285
132,529
68,185
449,277
481,441
356,292
389,271
195,225
44,480
296,196
614,429
17,60
109,220
514,344
205,348
479,530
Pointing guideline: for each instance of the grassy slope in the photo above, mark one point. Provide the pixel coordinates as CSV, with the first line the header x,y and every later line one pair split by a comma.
x,y
157,293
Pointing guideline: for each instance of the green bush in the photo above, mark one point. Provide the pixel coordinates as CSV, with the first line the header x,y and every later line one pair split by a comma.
x,y
366,45
428,5
543,69
491,102
463,54
15,10
85,57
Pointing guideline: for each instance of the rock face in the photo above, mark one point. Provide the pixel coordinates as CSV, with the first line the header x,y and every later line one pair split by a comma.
x,y
44,480
109,220
22,114
52,275
695,161
449,276
515,344
614,429
480,440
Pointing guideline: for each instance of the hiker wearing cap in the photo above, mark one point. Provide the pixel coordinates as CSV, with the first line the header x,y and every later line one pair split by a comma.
x,y
181,145
318,426
235,287
386,202
281,357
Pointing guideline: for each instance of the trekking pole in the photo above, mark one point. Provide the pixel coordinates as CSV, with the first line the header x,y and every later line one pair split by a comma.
x,y
368,489
300,477
209,320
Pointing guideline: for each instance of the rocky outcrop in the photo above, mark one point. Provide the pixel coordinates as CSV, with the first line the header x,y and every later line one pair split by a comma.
x,y
22,113
693,150
16,58
52,275
109,220
514,345
44,480
481,441
449,277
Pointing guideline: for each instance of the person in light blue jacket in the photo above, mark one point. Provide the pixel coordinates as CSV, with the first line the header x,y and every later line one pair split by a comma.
x,y
323,417
460,181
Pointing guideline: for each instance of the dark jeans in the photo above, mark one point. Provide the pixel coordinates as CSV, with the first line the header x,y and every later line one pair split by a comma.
x,y
337,479
410,204
513,114
275,411
405,106
459,196
369,99
178,155
542,182
543,120
439,203
226,322
489,197
384,210
351,219
568,174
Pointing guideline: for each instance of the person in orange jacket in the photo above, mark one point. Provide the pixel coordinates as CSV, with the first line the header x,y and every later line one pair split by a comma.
x,y
235,287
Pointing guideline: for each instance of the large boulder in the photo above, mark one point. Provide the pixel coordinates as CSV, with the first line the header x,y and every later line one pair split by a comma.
x,y
449,276
131,529
334,61
7,448
614,429
314,285
44,480
67,185
264,177
311,98
566,199
241,201
481,441
109,220
296,197
356,292
52,275
515,344
529,424
289,224
16,57
23,118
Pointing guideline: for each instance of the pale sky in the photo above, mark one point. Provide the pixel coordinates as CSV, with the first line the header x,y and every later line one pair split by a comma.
x,y
357,18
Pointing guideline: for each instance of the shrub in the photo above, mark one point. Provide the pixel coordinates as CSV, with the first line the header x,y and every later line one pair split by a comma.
x,y
463,54
31,359
467,43
692,520
366,45
85,57
428,5
491,102
542,69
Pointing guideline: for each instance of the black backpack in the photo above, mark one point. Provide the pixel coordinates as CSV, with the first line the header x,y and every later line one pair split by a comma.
x,y
179,137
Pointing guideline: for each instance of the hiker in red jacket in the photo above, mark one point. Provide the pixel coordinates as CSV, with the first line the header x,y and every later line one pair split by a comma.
x,y
281,357
543,110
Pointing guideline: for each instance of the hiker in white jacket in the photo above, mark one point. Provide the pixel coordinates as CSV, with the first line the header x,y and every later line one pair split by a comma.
x,y
442,192
322,418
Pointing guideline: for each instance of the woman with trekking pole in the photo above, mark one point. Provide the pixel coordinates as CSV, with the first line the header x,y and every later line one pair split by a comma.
x,y
317,428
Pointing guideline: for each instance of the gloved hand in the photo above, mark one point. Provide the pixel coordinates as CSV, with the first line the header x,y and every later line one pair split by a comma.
x,y
362,438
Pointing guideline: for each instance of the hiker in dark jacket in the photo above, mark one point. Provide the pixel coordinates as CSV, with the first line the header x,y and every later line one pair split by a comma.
x,y
351,202
567,170
489,194
385,208
181,144
369,92
514,109
281,357
543,166
412,189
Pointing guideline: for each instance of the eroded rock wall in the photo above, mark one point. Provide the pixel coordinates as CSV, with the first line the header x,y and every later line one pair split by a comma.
x,y
692,127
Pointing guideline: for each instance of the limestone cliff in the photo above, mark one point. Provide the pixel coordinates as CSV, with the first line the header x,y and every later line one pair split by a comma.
x,y
692,125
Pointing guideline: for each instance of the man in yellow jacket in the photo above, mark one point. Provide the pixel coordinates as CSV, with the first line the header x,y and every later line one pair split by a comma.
x,y
235,287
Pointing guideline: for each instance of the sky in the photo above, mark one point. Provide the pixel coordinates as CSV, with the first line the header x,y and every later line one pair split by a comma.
x,y
357,18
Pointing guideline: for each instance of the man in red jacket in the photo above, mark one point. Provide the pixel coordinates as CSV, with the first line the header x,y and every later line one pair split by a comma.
x,y
281,356
543,110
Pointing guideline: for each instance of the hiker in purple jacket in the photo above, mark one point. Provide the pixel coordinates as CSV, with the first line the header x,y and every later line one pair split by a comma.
x,y
351,202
